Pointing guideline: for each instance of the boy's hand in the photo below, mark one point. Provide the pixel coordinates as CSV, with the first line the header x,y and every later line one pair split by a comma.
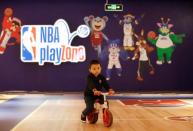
x,y
97,93
111,92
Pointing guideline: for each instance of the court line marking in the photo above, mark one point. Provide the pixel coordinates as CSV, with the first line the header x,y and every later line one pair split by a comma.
x,y
126,119
139,107
119,101
189,101
5,98
28,117
2,101
188,120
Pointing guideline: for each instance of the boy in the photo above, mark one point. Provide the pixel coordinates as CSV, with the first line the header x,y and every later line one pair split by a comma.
x,y
95,83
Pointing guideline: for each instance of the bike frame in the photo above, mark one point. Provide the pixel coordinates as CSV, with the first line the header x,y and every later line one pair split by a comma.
x,y
107,115
105,105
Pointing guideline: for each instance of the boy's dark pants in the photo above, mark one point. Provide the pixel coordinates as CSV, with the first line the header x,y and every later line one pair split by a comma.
x,y
89,101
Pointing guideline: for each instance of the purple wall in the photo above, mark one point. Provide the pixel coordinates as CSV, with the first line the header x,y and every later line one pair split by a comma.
x,y
15,75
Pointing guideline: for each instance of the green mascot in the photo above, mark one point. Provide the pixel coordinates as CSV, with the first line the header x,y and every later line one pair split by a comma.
x,y
165,41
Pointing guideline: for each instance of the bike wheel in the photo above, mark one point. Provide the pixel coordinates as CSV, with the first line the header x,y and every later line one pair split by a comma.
x,y
92,117
107,118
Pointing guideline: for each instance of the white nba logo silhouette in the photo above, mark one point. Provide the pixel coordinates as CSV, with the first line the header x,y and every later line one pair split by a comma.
x,y
30,41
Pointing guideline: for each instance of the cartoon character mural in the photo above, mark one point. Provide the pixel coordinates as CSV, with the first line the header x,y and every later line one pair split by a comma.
x,y
96,24
142,53
165,41
10,29
113,52
128,42
128,22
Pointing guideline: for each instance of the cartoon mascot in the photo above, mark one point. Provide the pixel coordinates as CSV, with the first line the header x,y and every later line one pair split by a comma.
x,y
10,30
165,41
96,24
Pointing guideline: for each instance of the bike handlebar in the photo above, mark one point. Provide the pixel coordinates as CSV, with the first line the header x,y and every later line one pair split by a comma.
x,y
105,93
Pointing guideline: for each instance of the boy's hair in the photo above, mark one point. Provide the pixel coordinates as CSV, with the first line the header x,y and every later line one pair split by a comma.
x,y
93,62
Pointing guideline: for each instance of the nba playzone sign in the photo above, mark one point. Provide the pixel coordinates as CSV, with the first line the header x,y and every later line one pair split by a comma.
x,y
52,43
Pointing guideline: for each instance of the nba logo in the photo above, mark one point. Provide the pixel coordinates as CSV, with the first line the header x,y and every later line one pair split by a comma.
x,y
28,44
52,43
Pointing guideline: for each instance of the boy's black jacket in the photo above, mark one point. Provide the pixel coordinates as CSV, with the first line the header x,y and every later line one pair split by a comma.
x,y
95,83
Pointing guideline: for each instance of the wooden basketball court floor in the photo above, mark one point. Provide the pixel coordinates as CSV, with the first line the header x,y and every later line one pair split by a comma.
x,y
61,112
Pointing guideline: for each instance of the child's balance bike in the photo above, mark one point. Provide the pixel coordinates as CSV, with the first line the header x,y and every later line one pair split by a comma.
x,y
107,115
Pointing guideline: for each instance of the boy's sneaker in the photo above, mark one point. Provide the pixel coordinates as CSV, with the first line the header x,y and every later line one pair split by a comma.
x,y
83,118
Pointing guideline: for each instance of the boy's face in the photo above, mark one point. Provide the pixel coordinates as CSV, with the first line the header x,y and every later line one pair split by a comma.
x,y
95,69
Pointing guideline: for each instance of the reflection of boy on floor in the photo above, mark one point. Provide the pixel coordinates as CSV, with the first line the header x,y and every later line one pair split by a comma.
x,y
95,83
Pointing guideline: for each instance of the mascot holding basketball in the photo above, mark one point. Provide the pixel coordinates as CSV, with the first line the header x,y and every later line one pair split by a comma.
x,y
10,29
165,41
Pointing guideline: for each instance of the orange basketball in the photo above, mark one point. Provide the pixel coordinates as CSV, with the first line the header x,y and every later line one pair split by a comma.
x,y
8,12
151,34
